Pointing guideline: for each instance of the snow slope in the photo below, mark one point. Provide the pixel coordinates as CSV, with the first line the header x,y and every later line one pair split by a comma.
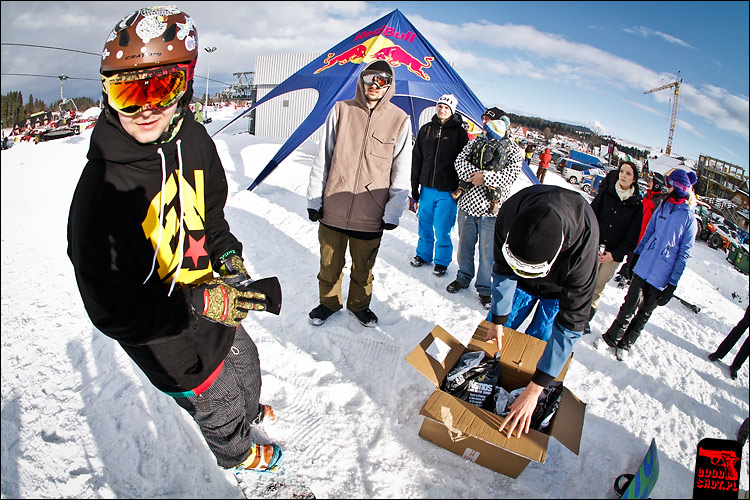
x,y
80,420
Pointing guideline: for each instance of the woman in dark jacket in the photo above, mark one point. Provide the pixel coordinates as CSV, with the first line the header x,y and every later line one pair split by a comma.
x,y
619,211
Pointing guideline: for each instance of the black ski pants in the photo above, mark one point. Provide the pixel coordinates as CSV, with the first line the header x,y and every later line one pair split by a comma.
x,y
731,339
629,323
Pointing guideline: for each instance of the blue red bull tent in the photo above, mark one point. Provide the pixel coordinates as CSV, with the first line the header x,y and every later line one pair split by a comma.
x,y
421,74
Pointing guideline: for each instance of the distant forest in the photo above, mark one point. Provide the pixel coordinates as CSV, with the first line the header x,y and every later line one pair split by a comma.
x,y
549,129
13,109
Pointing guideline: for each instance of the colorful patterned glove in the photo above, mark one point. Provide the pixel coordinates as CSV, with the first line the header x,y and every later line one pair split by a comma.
x,y
225,302
233,264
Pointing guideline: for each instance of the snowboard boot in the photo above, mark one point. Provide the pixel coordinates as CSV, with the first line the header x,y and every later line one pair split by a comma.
x,y
587,326
417,261
439,270
266,415
454,287
262,458
486,301
713,357
366,317
319,315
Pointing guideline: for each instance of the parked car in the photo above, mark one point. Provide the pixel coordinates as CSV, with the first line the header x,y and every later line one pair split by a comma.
x,y
591,181
722,238
572,170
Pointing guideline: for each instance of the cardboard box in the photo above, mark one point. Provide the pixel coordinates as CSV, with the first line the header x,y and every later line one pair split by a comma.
x,y
470,431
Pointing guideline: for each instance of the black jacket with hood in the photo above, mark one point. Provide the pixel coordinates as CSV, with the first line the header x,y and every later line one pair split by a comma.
x,y
132,206
573,274
434,155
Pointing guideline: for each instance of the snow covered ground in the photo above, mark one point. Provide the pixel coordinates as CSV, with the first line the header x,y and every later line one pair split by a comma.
x,y
80,420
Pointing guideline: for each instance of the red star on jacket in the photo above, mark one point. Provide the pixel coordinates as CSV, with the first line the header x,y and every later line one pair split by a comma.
x,y
196,249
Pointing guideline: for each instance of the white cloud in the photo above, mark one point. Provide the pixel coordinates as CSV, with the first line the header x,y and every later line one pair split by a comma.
x,y
648,32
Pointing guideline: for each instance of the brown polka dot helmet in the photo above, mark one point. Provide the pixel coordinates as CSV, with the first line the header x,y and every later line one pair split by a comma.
x,y
153,36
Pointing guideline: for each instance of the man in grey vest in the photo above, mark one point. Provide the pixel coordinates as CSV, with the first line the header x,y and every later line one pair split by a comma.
x,y
359,184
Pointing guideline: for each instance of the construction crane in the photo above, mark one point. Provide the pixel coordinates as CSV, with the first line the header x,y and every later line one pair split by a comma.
x,y
676,85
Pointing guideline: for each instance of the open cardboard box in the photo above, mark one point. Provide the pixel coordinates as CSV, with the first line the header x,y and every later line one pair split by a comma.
x,y
468,430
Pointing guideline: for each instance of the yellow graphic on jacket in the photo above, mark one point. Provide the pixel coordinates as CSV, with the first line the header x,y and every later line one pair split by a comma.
x,y
192,245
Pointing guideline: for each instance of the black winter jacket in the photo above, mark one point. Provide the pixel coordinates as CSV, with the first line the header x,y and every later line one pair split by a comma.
x,y
434,155
113,232
619,221
573,274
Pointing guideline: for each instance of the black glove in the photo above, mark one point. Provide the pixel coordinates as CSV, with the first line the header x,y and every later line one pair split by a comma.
x,y
314,215
666,295
632,261
387,227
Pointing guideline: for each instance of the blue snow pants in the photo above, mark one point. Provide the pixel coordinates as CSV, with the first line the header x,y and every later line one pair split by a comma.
x,y
544,317
437,216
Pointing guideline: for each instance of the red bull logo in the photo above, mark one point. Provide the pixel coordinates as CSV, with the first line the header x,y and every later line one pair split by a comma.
x,y
379,49
396,56
356,52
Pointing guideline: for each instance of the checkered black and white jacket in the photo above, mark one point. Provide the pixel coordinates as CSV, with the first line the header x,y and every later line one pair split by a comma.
x,y
476,201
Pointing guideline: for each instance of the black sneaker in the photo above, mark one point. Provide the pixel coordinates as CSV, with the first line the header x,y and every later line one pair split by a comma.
x,y
319,315
366,317
587,328
417,261
439,270
454,287
713,357
486,301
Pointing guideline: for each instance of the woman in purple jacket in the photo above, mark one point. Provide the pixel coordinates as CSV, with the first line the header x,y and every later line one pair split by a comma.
x,y
661,258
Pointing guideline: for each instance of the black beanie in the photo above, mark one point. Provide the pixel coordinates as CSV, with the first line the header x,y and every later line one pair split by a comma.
x,y
535,235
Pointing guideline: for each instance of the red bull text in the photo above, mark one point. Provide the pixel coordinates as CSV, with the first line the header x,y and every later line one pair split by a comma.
x,y
389,32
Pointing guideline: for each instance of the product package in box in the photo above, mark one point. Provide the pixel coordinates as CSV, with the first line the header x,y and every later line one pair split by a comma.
x,y
472,432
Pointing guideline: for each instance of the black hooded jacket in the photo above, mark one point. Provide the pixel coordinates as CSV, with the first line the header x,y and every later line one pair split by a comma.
x,y
573,274
434,155
124,229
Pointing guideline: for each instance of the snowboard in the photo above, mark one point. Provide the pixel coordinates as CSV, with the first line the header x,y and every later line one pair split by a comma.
x,y
281,483
640,484
687,304
277,484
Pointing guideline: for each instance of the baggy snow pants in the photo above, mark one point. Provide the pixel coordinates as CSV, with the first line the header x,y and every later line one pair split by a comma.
x,y
332,259
225,411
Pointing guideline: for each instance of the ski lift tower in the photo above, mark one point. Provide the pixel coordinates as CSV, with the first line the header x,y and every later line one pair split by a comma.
x,y
63,100
676,85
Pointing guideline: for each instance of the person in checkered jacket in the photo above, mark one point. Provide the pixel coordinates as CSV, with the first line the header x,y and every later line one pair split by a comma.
x,y
490,164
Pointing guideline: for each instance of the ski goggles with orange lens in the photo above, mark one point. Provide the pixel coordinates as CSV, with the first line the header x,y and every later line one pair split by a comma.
x,y
129,93
380,80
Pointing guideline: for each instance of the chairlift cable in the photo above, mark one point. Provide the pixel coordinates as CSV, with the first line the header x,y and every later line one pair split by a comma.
x,y
51,76
48,47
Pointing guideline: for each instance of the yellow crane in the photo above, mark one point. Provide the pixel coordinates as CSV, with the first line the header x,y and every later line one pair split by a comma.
x,y
676,85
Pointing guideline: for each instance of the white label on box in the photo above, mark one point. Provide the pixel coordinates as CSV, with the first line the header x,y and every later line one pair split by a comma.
x,y
471,455
438,350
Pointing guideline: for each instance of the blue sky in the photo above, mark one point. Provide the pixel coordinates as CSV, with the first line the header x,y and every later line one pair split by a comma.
x,y
585,63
